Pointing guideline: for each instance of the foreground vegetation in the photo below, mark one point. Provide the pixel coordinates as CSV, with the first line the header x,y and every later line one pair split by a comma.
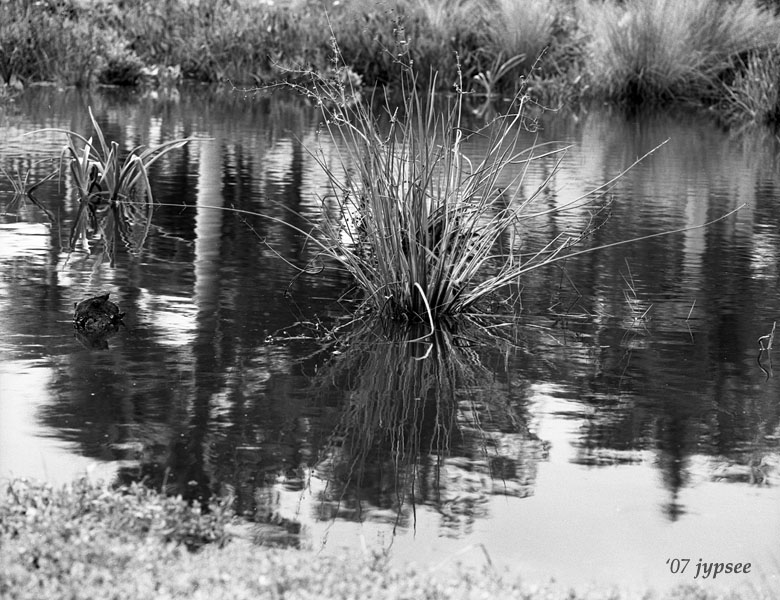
x,y
716,53
89,541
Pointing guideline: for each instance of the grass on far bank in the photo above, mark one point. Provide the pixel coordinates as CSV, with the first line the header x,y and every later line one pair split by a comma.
x,y
660,50
639,51
87,540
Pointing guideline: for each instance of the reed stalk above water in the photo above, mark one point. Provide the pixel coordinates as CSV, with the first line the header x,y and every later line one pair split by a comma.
x,y
114,194
427,232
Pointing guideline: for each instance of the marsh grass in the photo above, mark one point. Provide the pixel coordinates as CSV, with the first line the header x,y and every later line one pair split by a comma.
x,y
754,94
24,189
427,232
114,194
625,52
225,40
522,29
54,41
662,50
491,78
638,310
19,186
418,219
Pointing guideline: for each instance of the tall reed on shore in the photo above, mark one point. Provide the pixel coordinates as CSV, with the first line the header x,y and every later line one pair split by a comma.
x,y
662,50
754,94
522,28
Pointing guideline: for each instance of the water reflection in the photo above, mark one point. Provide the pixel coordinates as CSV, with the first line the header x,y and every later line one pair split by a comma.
x,y
630,393
422,421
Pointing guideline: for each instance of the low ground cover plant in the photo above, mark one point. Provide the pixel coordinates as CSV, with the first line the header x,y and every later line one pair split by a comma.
x,y
87,540
135,510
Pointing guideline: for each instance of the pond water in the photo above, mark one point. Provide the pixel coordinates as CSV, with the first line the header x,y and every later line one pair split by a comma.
x,y
633,419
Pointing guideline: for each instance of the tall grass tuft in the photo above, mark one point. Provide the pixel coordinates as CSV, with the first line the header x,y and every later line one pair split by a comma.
x,y
521,28
414,219
427,232
754,93
662,50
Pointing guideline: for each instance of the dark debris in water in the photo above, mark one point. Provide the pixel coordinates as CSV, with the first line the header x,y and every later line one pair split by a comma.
x,y
95,319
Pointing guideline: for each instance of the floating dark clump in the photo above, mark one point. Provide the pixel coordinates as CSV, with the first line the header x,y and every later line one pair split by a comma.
x,y
97,316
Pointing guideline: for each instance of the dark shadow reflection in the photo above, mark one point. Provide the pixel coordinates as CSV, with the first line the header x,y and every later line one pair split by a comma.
x,y
422,422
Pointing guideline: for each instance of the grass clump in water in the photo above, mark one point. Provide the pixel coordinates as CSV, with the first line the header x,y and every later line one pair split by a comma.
x,y
415,220
427,231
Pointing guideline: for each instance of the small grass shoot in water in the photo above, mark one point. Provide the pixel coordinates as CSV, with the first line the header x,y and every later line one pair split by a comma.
x,y
115,196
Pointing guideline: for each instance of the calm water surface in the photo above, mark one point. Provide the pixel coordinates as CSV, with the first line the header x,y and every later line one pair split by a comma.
x,y
631,421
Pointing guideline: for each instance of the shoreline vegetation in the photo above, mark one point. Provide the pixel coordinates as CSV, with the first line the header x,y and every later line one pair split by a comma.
x,y
722,55
87,540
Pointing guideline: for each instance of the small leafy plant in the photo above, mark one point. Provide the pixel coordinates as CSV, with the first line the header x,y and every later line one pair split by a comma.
x,y
63,513
115,196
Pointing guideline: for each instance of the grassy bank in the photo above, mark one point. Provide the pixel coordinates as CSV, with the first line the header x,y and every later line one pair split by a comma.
x,y
715,53
89,541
